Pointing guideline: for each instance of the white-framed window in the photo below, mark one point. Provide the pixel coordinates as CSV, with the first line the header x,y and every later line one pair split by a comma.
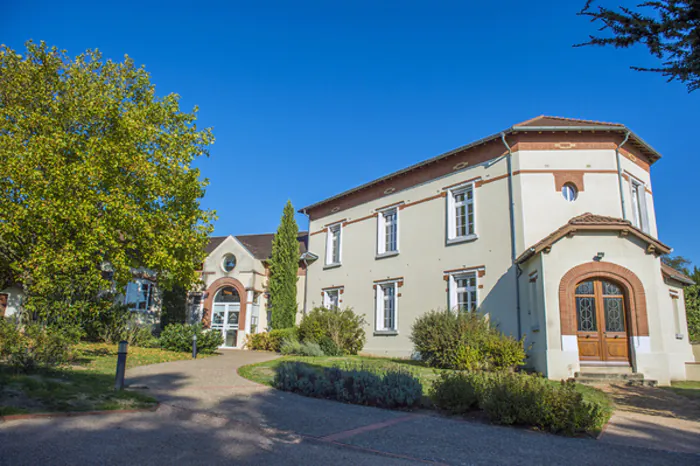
x,y
461,214
334,244
331,298
139,295
387,306
675,298
388,231
640,217
534,305
462,291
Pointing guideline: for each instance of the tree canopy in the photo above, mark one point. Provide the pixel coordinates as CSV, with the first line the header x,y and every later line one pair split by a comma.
x,y
671,33
96,179
284,265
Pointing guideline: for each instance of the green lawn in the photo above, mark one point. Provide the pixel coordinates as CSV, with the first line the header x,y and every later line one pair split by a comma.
x,y
688,389
264,372
86,385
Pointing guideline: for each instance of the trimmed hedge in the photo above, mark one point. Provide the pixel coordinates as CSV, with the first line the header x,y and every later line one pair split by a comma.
x,y
520,399
464,341
395,388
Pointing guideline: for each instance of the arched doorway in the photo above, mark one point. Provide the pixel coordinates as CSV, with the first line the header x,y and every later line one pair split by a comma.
x,y
225,315
602,320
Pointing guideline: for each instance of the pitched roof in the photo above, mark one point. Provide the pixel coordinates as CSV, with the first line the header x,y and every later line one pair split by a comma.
x,y
540,124
669,272
544,120
592,222
260,246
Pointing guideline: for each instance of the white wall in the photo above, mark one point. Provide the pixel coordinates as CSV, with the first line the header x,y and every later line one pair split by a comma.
x,y
423,257
15,298
660,356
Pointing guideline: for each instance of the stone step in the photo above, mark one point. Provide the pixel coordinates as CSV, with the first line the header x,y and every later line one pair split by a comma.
x,y
606,368
612,376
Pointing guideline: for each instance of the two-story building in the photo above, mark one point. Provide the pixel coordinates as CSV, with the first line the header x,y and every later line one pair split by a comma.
x,y
548,227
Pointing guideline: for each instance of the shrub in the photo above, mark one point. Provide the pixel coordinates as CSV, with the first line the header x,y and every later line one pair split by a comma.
x,y
279,335
118,323
293,346
329,347
178,337
464,341
456,392
258,341
533,401
35,345
342,327
270,341
393,388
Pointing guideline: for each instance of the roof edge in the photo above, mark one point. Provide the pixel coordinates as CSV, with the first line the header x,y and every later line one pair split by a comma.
x,y
517,128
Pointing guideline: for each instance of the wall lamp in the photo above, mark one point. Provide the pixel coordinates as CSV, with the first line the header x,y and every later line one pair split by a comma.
x,y
598,257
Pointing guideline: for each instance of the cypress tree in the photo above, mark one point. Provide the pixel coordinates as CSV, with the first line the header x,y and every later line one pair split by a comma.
x,y
284,264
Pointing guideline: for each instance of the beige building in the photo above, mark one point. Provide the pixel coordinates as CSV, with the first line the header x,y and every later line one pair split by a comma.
x,y
233,296
548,227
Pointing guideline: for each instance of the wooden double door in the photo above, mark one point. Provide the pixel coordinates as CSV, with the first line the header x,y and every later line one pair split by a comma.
x,y
601,321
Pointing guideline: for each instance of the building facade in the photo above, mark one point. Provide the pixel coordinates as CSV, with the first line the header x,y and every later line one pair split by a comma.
x,y
548,228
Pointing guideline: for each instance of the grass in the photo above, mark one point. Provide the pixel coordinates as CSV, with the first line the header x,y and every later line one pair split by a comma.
x,y
687,389
86,385
264,372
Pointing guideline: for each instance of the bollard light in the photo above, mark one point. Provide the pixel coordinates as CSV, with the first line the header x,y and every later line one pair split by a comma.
x,y
194,346
121,365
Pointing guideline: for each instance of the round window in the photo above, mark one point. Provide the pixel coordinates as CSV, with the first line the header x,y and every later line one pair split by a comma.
x,y
229,262
569,192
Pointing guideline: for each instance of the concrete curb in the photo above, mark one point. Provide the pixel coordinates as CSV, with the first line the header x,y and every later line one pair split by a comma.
x,y
21,417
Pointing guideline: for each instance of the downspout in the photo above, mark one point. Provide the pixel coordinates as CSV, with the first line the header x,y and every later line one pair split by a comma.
x,y
619,175
306,262
511,209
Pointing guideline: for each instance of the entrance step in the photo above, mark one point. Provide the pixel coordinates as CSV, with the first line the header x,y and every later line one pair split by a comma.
x,y
606,369
597,378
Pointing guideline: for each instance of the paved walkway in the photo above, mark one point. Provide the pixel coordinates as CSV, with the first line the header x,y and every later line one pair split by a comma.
x,y
653,418
211,415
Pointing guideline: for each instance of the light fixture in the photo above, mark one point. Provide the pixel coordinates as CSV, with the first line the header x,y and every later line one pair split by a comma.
x,y
598,257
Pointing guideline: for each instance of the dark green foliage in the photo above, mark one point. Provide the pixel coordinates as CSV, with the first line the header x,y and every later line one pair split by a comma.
x,y
464,341
337,327
671,33
532,401
178,337
32,346
692,307
272,340
174,306
521,399
329,347
117,323
679,263
284,265
294,346
393,388
455,392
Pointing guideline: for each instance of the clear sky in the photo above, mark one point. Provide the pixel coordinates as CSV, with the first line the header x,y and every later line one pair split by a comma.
x,y
310,98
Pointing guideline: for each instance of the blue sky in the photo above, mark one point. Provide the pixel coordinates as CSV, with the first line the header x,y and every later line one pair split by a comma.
x,y
309,98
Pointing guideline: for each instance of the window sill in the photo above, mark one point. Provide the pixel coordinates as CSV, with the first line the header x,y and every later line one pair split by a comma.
x,y
384,255
462,239
331,266
386,333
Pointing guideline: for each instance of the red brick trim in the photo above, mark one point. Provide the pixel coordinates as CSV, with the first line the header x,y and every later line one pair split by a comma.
x,y
635,297
211,292
367,217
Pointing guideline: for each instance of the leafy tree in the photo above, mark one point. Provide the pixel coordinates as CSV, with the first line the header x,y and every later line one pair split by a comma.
x,y
672,35
96,180
284,265
692,310
679,263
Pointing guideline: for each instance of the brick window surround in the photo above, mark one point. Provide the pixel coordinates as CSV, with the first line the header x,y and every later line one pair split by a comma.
x,y
635,297
209,300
